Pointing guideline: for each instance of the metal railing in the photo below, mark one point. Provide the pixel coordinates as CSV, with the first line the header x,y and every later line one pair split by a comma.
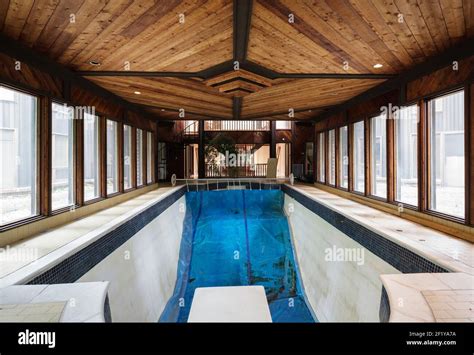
x,y
256,170
237,125
231,183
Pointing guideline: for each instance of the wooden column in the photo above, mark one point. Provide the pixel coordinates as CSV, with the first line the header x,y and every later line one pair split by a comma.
x,y
44,145
103,155
367,157
120,153
155,154
79,157
350,147
337,174
134,156
201,157
144,157
469,146
326,157
272,139
391,168
422,155
315,160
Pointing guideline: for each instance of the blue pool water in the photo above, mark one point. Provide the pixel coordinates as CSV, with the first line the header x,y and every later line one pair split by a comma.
x,y
235,238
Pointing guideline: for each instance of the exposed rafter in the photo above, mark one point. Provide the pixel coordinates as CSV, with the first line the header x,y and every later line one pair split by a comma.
x,y
242,20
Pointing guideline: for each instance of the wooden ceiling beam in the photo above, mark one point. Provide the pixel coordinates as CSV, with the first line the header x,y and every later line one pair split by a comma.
x,y
242,20
227,67
236,107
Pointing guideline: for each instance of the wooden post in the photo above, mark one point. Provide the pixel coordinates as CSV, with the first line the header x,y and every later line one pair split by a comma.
x,y
45,156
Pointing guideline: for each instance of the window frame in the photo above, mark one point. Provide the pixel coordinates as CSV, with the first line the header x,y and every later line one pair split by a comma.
x,y
74,204
352,148
425,207
39,164
99,167
372,175
117,153
339,160
416,207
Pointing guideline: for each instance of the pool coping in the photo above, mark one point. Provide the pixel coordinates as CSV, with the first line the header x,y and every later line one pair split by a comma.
x,y
70,261
442,262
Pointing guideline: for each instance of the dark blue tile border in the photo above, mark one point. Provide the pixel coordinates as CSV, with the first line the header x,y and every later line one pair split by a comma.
x,y
384,310
399,257
74,267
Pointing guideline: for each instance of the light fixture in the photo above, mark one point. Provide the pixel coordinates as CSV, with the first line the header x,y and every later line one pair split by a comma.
x,y
162,109
137,92
378,66
95,63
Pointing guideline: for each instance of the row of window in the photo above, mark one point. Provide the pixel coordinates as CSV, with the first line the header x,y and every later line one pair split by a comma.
x,y
445,149
192,127
19,156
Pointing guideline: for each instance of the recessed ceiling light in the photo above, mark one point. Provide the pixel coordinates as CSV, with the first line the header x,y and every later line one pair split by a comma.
x,y
137,92
94,62
378,65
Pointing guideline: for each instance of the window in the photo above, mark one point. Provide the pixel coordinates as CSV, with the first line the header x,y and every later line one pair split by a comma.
x,y
62,159
308,160
332,157
406,179
112,157
378,136
343,157
149,157
236,125
321,158
139,157
358,157
282,124
127,157
18,159
446,127
91,157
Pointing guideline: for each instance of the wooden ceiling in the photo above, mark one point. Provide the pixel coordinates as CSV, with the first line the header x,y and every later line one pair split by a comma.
x,y
191,39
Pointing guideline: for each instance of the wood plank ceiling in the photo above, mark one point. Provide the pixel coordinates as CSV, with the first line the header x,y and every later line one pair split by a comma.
x,y
192,36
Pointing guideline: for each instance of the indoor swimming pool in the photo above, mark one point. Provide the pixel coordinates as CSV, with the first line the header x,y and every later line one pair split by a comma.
x,y
238,238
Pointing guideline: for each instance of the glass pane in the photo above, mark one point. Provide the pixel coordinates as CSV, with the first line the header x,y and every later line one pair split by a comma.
x,y
139,157
343,157
18,159
359,157
308,165
378,136
62,159
283,125
91,156
149,157
447,154
127,156
322,158
406,180
332,157
112,157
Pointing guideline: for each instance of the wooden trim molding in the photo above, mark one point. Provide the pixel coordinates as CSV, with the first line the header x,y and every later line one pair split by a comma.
x,y
120,154
103,156
79,159
134,157
44,145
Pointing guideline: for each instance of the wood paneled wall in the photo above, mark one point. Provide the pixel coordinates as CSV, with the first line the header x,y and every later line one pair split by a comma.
x,y
417,91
